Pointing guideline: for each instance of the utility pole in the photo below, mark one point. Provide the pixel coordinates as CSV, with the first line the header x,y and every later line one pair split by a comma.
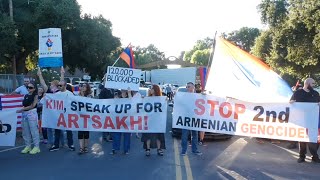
x,y
14,68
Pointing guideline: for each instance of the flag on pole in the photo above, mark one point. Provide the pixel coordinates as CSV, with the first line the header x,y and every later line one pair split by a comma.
x,y
203,77
238,74
127,56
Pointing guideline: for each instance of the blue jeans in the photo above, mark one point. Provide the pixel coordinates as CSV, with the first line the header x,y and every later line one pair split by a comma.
x,y
50,136
116,143
184,140
57,134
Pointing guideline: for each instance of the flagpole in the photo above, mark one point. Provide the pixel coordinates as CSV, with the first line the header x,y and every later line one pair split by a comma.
x,y
119,56
213,48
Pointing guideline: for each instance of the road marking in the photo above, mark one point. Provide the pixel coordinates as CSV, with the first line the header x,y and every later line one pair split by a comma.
x,y
292,152
188,167
177,160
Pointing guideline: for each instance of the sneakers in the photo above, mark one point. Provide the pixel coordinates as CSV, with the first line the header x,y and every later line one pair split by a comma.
x,y
54,148
301,160
148,152
183,154
35,150
126,152
315,160
72,148
26,150
197,153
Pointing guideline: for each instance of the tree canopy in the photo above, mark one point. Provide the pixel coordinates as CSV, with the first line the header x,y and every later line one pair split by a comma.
x,y
291,45
244,37
87,40
200,52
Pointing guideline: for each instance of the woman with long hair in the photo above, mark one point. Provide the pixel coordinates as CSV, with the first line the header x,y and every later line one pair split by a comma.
x,y
30,131
83,136
154,140
116,136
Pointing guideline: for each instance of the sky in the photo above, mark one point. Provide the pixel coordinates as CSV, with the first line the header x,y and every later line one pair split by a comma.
x,y
173,25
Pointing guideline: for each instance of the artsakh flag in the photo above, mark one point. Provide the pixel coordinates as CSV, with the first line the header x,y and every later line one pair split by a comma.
x,y
127,56
238,74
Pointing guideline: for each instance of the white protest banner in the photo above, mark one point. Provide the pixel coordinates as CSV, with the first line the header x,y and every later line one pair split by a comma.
x,y
50,47
294,122
123,78
77,113
8,126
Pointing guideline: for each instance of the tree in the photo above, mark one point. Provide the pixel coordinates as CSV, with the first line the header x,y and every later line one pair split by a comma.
x,y
244,37
201,46
87,41
294,34
262,45
151,53
201,57
8,39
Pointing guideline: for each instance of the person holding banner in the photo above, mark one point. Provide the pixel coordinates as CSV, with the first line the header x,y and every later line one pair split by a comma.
x,y
185,133
116,136
83,136
62,86
307,94
30,132
53,89
154,140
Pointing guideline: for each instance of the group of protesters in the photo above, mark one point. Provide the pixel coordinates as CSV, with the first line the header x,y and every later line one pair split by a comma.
x,y
31,112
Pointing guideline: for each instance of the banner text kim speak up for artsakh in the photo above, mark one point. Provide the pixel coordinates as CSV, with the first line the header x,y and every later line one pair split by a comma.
x,y
113,115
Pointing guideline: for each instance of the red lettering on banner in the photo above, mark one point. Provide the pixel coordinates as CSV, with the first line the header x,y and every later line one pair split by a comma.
x,y
277,131
54,104
72,119
212,106
61,121
108,123
133,122
229,108
121,122
59,105
85,120
48,104
97,123
201,109
239,109
253,129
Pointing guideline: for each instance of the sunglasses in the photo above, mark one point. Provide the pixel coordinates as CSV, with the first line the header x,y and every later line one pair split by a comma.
x,y
60,85
30,87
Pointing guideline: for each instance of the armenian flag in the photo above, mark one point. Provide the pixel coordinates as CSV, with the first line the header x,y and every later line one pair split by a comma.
x,y
203,76
127,56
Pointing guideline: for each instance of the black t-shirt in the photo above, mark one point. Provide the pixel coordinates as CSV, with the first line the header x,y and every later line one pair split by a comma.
x,y
49,91
106,94
28,100
302,96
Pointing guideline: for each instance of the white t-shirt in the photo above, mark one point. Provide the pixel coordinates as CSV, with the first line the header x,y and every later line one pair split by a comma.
x,y
67,93
22,90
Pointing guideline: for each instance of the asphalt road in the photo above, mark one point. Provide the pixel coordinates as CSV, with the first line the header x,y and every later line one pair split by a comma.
x,y
237,158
